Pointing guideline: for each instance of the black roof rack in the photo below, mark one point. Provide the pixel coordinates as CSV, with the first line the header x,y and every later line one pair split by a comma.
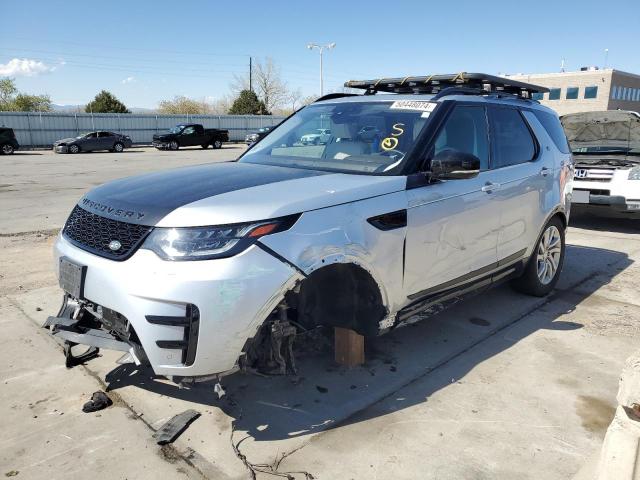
x,y
436,83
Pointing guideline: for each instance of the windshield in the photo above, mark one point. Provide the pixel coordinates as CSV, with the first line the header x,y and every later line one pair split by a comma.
x,y
176,129
351,137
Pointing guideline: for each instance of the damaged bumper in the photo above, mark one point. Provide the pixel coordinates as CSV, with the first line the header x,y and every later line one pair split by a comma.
x,y
189,319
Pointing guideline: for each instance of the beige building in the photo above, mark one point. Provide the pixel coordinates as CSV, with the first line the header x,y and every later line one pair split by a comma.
x,y
587,90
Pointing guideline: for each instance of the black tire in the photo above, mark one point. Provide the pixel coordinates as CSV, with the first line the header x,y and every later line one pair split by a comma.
x,y
217,144
118,147
205,146
73,149
173,145
7,149
539,276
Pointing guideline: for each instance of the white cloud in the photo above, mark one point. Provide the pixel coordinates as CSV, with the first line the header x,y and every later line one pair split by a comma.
x,y
128,80
24,67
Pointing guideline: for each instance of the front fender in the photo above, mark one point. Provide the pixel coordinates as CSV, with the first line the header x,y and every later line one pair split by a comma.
x,y
341,234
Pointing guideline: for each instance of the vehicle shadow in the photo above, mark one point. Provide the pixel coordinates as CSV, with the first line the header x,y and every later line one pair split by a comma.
x,y
26,153
326,396
603,222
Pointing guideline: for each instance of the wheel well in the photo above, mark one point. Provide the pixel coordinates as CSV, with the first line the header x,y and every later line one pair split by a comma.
x,y
562,217
339,295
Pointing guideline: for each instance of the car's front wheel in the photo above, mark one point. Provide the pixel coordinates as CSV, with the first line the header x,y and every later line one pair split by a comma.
x,y
73,149
118,147
543,269
7,149
217,144
173,145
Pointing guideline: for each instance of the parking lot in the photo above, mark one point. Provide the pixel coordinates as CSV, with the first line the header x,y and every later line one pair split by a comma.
x,y
499,386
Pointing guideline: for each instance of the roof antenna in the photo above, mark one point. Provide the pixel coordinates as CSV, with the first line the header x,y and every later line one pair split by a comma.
x,y
562,65
606,58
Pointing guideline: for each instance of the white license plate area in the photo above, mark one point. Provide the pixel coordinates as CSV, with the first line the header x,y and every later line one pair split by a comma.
x,y
580,196
71,277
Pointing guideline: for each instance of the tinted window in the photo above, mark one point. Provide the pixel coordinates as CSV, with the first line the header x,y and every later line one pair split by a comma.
x,y
572,93
465,131
554,94
189,131
512,141
553,127
591,92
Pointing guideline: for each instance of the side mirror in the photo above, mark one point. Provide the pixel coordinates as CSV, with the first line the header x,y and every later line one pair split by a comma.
x,y
454,165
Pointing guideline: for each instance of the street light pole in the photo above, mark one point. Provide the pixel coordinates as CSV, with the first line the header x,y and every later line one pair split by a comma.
x,y
321,48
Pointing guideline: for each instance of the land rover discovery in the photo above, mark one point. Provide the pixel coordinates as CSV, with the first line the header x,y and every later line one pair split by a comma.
x,y
449,185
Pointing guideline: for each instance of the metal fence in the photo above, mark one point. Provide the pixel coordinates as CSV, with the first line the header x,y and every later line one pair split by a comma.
x,y
42,129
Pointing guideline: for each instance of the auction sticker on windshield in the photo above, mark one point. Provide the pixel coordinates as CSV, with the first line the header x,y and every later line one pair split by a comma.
x,y
418,105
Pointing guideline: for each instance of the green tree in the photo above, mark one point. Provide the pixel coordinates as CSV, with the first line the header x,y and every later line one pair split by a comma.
x,y
31,103
106,102
13,101
8,92
247,103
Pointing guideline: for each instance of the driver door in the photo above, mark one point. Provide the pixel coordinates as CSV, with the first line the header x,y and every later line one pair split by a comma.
x,y
453,224
90,142
188,137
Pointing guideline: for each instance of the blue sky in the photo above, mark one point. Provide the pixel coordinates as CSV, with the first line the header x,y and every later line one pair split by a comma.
x,y
146,51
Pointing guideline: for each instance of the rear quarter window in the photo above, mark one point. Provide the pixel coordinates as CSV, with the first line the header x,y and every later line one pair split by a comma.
x,y
554,128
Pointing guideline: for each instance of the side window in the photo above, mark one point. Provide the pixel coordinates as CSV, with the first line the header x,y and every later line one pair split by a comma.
x,y
105,134
189,131
465,131
553,127
512,140
92,135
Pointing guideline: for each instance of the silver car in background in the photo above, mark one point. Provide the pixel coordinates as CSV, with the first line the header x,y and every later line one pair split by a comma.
x,y
93,141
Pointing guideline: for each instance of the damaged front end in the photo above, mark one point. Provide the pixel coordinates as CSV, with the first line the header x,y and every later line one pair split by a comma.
x,y
82,323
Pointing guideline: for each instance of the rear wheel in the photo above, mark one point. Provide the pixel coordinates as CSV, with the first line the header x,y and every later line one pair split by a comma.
x,y
118,147
173,145
217,144
543,269
7,149
73,149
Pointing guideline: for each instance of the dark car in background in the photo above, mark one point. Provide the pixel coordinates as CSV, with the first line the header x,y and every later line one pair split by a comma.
x,y
190,135
92,141
8,142
253,137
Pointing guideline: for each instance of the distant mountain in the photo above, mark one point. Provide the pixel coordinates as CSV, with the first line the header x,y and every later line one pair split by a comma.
x,y
80,109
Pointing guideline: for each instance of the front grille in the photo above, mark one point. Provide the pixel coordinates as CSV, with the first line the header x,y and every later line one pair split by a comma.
x,y
594,174
94,233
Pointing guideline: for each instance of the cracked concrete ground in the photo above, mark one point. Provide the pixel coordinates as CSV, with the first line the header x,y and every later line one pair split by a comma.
x,y
500,386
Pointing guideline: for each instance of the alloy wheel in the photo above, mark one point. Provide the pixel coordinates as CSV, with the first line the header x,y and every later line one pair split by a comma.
x,y
549,254
7,149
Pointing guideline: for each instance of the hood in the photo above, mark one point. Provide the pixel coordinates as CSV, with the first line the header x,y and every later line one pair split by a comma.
x,y
223,193
162,136
614,132
65,140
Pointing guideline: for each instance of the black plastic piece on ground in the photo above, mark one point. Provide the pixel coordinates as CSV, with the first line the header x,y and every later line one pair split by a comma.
x,y
175,426
99,401
71,360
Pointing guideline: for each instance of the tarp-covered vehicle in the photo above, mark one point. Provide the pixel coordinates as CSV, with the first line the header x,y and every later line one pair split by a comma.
x,y
606,148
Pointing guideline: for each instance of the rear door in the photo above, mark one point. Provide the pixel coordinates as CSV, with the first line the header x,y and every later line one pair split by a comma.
x,y
524,174
453,225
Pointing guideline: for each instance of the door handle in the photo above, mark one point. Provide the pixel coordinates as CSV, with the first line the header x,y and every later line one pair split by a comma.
x,y
490,187
544,171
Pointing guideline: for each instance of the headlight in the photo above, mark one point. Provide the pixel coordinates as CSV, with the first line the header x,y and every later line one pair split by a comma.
x,y
204,243
634,173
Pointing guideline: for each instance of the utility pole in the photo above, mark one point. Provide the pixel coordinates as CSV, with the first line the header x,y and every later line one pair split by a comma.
x,y
321,48
250,75
606,58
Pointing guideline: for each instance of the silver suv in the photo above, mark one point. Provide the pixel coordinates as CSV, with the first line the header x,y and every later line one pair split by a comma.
x,y
456,183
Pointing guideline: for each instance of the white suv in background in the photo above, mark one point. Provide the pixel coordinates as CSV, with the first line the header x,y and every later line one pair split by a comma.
x,y
200,271
606,149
